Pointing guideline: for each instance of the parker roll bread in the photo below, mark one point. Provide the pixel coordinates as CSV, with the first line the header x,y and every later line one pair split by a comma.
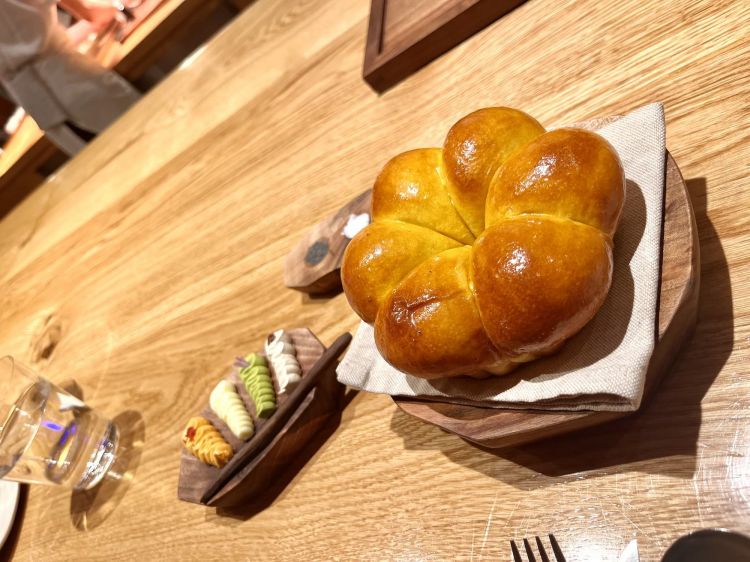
x,y
489,252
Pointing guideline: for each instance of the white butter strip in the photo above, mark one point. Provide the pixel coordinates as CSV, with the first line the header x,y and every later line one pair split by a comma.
x,y
228,405
283,356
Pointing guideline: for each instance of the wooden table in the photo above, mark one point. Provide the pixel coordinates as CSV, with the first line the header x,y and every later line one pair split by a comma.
x,y
157,254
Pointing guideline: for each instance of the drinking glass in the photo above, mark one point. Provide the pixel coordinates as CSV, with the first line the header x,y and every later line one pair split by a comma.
x,y
47,435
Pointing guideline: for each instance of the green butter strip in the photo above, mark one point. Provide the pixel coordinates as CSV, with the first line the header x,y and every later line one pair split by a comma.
x,y
256,385
265,394
257,371
266,409
258,376
256,359
259,384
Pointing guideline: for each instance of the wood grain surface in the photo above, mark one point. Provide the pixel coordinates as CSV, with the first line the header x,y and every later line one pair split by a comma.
x,y
157,254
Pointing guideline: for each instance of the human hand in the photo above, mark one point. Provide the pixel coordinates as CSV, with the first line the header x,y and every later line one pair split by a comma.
x,y
100,15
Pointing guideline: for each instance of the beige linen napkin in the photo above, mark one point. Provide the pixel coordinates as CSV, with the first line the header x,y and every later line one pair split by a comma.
x,y
604,366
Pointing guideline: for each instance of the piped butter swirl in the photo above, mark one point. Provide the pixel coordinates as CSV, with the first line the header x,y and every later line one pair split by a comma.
x,y
282,354
228,405
204,441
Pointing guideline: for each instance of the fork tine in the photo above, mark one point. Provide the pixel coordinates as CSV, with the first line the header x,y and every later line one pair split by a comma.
x,y
556,548
529,552
540,548
516,554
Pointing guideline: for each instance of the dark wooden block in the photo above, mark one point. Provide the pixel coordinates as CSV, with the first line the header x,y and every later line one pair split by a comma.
x,y
405,35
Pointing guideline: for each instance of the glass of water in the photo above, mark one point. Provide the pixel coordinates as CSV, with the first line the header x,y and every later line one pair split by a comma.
x,y
48,436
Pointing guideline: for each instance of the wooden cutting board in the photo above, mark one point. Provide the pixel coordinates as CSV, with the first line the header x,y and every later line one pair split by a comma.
x,y
678,306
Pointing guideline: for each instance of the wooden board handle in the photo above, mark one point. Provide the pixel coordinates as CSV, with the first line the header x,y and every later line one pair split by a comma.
x,y
313,265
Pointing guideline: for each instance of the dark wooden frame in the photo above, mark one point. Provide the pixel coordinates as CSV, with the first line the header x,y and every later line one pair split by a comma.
x,y
427,40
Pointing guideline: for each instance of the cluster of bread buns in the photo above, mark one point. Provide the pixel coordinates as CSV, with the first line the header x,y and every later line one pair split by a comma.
x,y
490,251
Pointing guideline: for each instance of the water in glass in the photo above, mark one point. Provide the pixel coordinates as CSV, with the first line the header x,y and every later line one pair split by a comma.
x,y
49,436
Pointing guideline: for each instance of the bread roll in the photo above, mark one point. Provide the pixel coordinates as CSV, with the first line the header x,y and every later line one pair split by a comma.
x,y
490,252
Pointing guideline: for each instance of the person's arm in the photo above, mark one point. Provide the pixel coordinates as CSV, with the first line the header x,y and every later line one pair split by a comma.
x,y
98,13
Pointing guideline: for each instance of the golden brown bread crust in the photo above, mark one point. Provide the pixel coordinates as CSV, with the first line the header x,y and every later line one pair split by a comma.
x,y
475,147
445,304
380,256
429,325
567,173
539,279
411,189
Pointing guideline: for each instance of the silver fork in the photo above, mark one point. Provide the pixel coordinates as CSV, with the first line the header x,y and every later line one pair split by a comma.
x,y
540,547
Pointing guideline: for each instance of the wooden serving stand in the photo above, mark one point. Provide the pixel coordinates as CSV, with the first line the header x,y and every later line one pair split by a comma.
x,y
269,462
678,306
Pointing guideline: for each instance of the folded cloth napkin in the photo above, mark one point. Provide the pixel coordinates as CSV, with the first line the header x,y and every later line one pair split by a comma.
x,y
604,366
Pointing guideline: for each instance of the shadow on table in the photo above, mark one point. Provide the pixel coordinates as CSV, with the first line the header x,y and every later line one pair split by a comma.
x,y
662,436
232,516
90,508
317,298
